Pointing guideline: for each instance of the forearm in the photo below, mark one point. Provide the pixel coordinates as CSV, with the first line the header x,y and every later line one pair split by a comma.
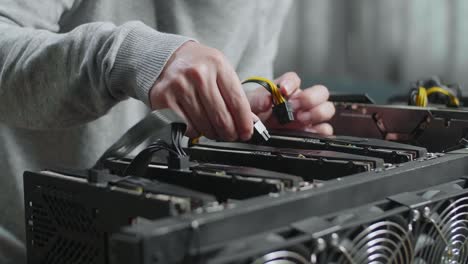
x,y
51,80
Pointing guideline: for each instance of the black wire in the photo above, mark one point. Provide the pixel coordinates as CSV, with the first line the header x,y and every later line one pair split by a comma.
x,y
181,135
135,163
159,142
177,133
179,142
163,146
142,159
175,141
155,149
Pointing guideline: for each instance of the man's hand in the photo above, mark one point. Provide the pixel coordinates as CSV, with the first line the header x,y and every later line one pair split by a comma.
x,y
310,106
200,85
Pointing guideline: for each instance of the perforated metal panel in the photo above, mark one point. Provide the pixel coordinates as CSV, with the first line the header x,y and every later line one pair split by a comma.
x,y
62,228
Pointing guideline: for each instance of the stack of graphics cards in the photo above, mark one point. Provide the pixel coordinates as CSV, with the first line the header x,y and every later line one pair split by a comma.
x,y
390,187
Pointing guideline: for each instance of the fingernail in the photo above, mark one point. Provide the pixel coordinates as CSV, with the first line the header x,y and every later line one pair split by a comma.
x,y
255,118
286,87
230,138
246,136
294,104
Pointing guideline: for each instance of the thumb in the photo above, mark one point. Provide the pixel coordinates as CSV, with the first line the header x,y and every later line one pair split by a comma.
x,y
260,100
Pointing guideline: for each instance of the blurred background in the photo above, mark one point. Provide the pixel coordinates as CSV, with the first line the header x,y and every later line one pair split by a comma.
x,y
375,46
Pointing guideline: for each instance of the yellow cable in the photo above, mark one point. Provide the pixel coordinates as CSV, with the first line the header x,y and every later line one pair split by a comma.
x,y
194,141
423,94
453,99
421,97
277,96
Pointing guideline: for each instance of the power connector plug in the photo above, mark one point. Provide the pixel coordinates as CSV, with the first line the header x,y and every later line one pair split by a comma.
x,y
178,162
260,133
283,112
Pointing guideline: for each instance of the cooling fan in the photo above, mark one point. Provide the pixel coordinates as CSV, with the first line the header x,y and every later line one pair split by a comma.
x,y
273,248
442,235
282,257
388,240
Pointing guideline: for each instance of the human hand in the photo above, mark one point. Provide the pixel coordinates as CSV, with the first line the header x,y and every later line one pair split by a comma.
x,y
310,106
200,85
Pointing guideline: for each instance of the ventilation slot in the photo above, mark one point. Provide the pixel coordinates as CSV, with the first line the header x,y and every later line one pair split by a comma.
x,y
69,251
70,215
41,225
63,229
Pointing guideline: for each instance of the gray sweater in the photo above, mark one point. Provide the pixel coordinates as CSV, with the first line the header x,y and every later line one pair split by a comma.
x,y
75,74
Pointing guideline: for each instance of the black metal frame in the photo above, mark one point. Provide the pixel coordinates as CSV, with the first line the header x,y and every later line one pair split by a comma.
x,y
309,232
156,242
175,236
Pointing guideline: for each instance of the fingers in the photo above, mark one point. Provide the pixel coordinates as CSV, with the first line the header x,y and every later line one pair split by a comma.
x,y
217,113
323,129
198,120
196,104
310,97
317,114
254,117
199,84
259,100
205,94
236,101
311,109
289,83
191,132
311,105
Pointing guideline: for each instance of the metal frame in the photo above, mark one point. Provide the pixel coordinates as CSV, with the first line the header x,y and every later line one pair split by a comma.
x,y
184,238
157,242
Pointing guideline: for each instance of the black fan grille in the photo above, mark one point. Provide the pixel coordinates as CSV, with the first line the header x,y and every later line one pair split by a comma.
x,y
282,257
436,233
386,241
443,233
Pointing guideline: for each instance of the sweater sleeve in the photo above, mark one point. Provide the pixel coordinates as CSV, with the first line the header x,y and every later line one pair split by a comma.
x,y
57,80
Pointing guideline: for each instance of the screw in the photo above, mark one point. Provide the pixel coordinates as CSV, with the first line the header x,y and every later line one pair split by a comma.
x,y
321,244
416,215
335,239
195,224
427,212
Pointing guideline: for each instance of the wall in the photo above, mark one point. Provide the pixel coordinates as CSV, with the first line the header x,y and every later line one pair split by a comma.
x,y
376,46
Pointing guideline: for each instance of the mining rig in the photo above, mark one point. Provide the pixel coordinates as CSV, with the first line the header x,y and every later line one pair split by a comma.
x,y
390,187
